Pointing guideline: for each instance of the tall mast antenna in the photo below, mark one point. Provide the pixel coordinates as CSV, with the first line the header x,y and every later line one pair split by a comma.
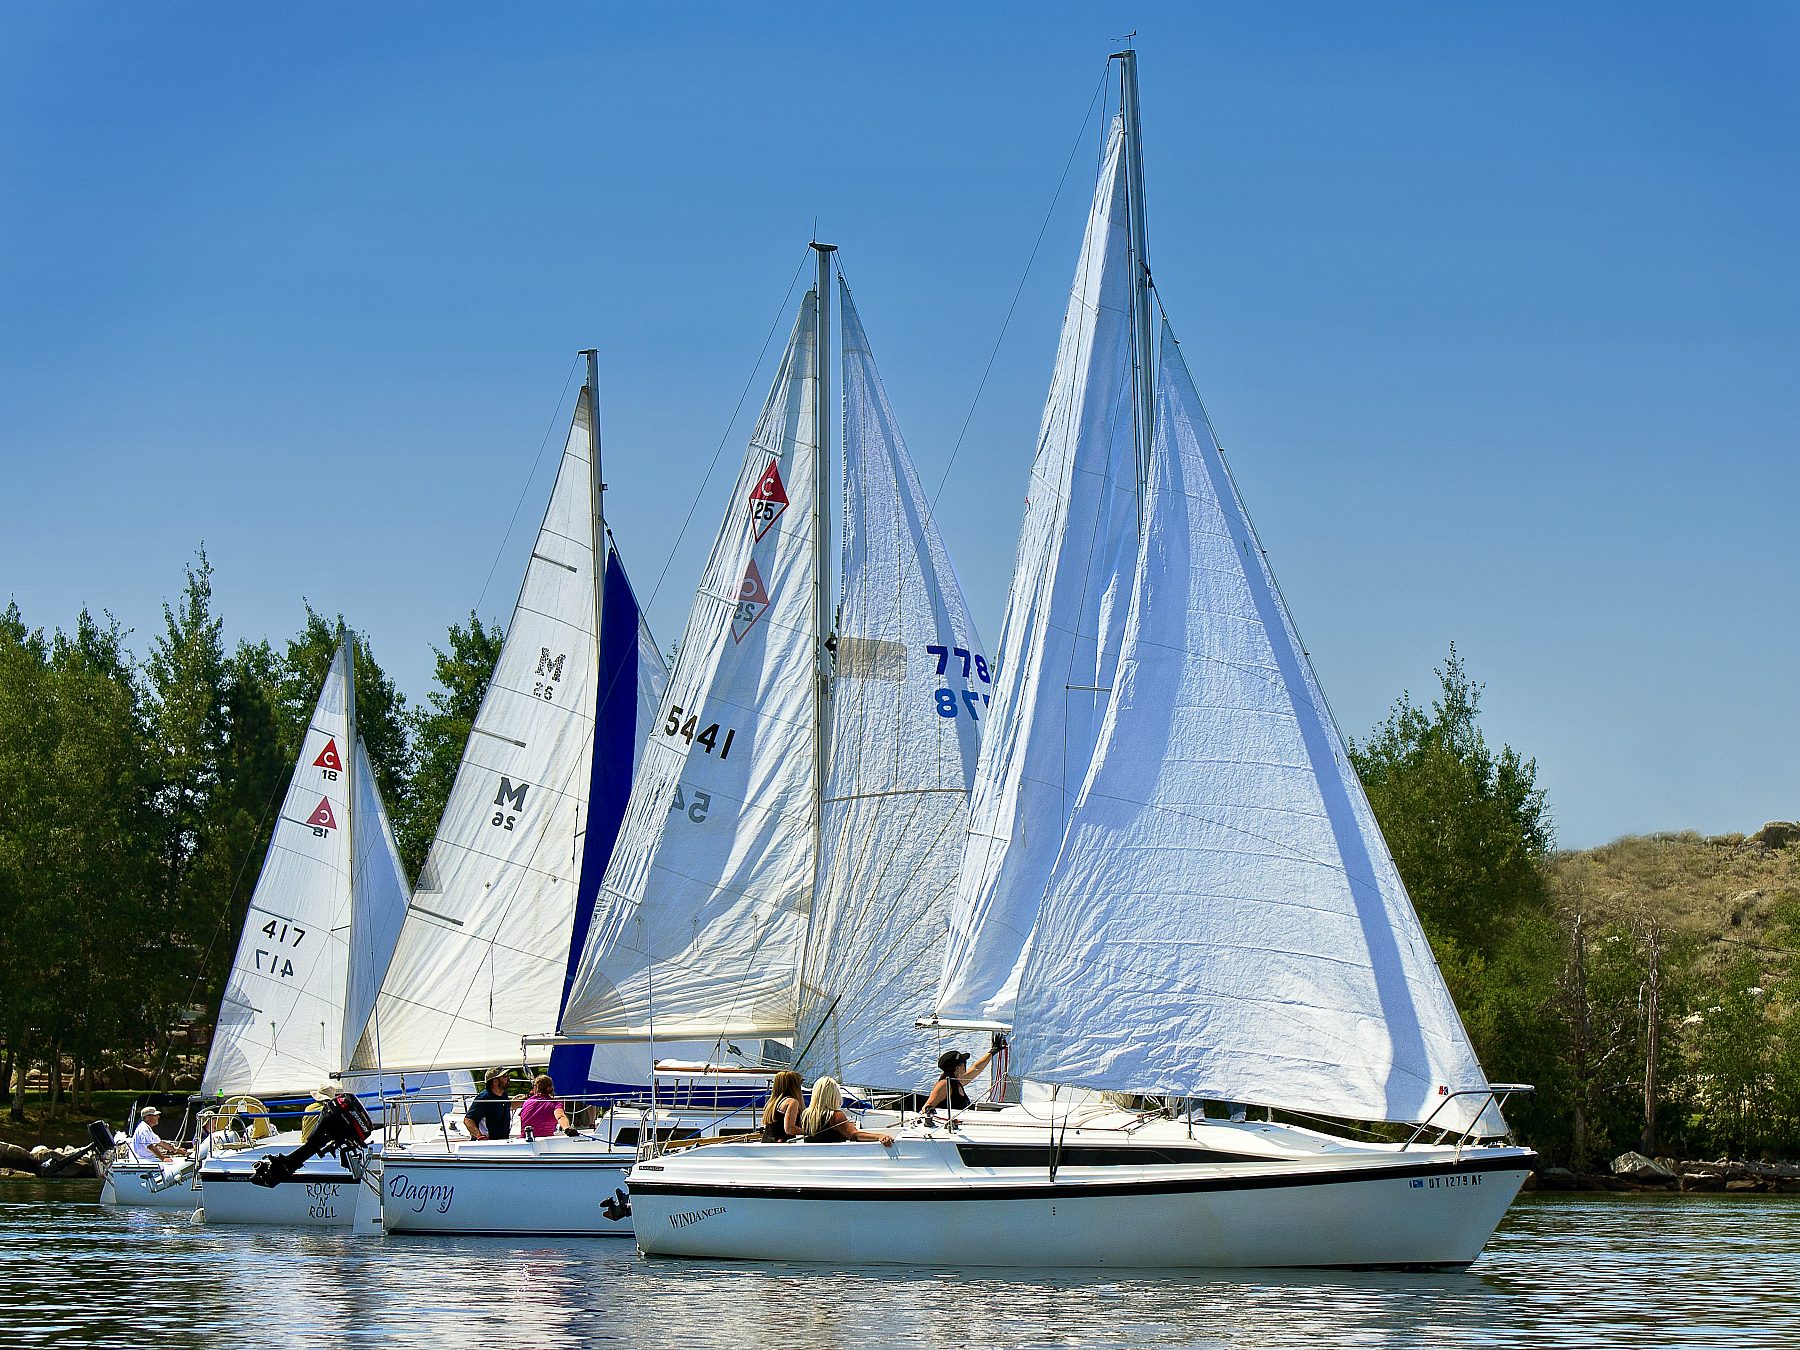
x,y
1143,377
596,495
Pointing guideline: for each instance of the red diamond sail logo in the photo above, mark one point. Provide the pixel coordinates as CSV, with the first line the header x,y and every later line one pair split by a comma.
x,y
768,499
321,818
752,601
328,757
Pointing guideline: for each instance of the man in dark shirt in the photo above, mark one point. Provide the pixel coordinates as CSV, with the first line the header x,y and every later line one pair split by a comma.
x,y
490,1115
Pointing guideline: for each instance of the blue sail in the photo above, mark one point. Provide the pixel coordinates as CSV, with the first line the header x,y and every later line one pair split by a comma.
x,y
616,741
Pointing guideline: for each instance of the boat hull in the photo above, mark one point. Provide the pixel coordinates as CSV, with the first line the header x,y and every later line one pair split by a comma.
x,y
132,1185
322,1194
1395,1213
512,1189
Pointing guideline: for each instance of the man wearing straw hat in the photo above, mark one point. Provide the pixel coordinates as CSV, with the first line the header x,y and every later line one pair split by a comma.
x,y
146,1144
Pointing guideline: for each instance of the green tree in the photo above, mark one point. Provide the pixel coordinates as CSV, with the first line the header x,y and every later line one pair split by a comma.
x,y
28,902
105,859
1735,1043
440,729
1470,832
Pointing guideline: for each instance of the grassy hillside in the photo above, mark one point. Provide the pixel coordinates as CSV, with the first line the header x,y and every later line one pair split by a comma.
x,y
1720,889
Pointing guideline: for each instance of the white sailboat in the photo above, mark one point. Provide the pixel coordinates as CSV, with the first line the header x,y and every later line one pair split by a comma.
x,y
317,934
1173,890
786,790
508,888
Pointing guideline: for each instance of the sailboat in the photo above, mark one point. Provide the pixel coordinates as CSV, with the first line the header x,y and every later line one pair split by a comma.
x,y
505,899
1173,891
317,934
809,764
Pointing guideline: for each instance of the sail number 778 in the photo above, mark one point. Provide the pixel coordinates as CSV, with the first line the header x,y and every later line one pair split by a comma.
x,y
707,737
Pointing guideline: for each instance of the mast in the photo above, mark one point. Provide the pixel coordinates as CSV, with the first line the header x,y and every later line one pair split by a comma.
x,y
596,489
821,542
1143,366
348,648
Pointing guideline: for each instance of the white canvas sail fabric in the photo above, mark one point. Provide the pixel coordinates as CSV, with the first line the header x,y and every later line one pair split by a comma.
x,y
379,895
281,1023
1065,615
705,898
1225,919
910,695
483,952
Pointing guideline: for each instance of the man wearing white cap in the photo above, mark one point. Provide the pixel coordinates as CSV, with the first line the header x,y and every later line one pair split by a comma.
x,y
146,1144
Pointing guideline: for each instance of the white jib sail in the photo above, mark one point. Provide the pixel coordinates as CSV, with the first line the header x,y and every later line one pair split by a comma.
x,y
1225,920
484,949
281,1023
909,698
704,901
1059,642
379,894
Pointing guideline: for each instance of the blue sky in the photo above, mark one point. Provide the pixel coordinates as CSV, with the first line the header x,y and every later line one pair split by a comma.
x,y
1497,310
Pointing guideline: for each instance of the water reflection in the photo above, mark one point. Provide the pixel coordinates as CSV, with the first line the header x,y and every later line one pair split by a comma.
x,y
1561,1272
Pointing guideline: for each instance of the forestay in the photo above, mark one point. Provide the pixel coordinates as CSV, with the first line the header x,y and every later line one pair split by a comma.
x,y
1064,617
481,958
1225,919
704,900
909,697
281,1023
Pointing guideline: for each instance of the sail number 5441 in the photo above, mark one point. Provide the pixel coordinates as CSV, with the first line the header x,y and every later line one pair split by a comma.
x,y
707,738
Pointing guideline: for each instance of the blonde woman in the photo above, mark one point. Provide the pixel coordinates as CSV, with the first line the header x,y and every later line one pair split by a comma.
x,y
541,1113
781,1117
824,1122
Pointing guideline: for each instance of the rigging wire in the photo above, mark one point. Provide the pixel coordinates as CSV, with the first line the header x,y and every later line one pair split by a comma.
x,y
1018,291
525,490
706,478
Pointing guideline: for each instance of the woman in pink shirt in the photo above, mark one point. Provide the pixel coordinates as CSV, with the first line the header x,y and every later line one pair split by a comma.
x,y
541,1113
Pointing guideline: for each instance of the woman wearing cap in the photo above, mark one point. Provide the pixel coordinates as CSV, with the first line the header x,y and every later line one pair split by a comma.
x,y
954,1073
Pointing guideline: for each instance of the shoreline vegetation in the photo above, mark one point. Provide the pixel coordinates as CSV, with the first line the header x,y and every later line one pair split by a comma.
x,y
1649,988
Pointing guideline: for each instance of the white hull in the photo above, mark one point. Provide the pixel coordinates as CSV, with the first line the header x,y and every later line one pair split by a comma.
x,y
1270,1197
321,1195
515,1186
132,1185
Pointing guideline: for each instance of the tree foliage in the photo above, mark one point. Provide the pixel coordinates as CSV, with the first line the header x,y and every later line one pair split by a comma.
x,y
440,729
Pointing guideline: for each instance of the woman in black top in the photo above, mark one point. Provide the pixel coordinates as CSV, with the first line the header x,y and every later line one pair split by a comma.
x,y
954,1073
781,1117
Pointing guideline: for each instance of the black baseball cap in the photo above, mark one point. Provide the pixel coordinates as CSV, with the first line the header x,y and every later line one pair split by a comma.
x,y
948,1061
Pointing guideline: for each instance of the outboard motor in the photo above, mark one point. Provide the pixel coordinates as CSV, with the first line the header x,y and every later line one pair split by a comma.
x,y
100,1138
343,1128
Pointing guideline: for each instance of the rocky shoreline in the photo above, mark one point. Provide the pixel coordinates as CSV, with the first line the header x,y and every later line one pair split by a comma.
x,y
1635,1172
44,1162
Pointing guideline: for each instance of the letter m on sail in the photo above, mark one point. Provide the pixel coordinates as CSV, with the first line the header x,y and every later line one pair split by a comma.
x,y
547,666
510,797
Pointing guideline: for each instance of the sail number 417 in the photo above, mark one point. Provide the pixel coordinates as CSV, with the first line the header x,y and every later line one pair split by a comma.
x,y
706,738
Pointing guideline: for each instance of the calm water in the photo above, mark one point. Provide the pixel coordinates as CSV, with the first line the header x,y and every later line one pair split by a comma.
x,y
1595,1272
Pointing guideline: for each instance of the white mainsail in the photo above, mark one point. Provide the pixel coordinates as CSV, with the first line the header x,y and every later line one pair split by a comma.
x,y
705,897
281,1023
909,698
482,955
1065,614
1225,919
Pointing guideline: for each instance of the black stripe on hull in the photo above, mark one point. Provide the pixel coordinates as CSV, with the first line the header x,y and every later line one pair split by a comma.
x,y
1075,1190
